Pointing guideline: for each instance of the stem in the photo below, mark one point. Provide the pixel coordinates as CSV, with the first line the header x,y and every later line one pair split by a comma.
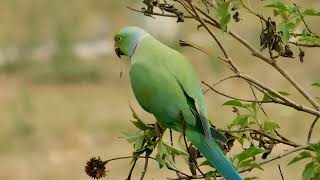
x,y
145,167
310,45
255,131
279,156
311,128
208,29
132,168
302,18
280,172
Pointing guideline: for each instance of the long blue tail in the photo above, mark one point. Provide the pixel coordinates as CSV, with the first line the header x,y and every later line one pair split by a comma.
x,y
212,152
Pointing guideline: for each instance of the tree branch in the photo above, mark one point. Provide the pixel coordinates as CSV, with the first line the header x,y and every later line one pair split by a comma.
x,y
311,128
255,131
302,18
207,28
304,44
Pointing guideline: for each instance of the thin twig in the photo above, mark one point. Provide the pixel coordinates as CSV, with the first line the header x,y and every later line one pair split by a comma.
x,y
312,127
291,103
145,167
304,44
255,131
279,156
285,101
302,18
132,168
280,172
221,60
218,82
297,86
208,29
143,157
160,14
231,97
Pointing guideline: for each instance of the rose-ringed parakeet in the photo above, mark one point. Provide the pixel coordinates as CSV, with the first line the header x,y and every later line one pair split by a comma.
x,y
165,85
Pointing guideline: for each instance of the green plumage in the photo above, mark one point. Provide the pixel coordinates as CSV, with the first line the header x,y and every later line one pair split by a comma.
x,y
165,84
161,84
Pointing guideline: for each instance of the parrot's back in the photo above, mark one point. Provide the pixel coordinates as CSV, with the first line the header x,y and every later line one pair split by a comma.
x,y
165,84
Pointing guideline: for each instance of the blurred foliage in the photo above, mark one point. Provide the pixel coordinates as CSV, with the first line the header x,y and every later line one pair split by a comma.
x,y
49,24
312,168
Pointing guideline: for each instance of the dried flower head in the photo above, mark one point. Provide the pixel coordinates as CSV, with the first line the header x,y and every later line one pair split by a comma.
x,y
95,168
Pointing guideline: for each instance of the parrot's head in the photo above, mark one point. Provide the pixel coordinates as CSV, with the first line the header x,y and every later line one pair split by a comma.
x,y
127,39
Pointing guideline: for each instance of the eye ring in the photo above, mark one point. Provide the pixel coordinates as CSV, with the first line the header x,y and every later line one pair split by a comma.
x,y
119,38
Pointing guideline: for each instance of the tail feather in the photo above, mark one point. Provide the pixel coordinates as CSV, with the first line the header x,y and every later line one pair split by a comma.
x,y
212,152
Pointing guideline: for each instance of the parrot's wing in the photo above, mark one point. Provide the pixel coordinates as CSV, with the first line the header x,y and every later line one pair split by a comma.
x,y
183,71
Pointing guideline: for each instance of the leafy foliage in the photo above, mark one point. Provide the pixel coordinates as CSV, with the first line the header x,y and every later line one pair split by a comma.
x,y
224,12
312,168
147,139
245,159
291,18
316,84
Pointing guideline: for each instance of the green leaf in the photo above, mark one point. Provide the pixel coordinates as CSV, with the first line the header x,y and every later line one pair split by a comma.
x,y
248,153
315,147
210,175
266,98
310,170
250,163
276,12
205,163
286,28
241,120
279,5
311,12
316,84
283,93
139,123
224,12
225,21
131,138
269,126
160,160
233,103
136,139
302,155
251,178
174,150
164,154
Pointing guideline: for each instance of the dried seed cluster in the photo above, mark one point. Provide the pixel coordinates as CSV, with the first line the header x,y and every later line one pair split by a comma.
x,y
95,168
163,6
271,39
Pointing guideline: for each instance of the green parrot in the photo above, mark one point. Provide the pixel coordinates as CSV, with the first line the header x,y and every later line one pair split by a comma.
x,y
165,85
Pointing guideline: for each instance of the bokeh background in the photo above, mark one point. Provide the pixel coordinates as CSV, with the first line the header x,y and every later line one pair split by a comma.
x,y
62,99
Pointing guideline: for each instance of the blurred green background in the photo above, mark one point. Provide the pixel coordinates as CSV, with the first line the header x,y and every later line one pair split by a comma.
x,y
62,99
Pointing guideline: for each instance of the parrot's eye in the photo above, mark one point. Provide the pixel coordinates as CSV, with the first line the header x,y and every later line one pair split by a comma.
x,y
118,39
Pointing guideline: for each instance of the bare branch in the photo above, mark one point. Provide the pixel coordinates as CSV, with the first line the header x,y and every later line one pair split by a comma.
x,y
280,172
304,44
311,128
255,131
279,156
302,18
145,167
208,29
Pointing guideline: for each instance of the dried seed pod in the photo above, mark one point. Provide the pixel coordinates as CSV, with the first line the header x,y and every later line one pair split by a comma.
x,y
287,52
95,168
236,17
301,55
